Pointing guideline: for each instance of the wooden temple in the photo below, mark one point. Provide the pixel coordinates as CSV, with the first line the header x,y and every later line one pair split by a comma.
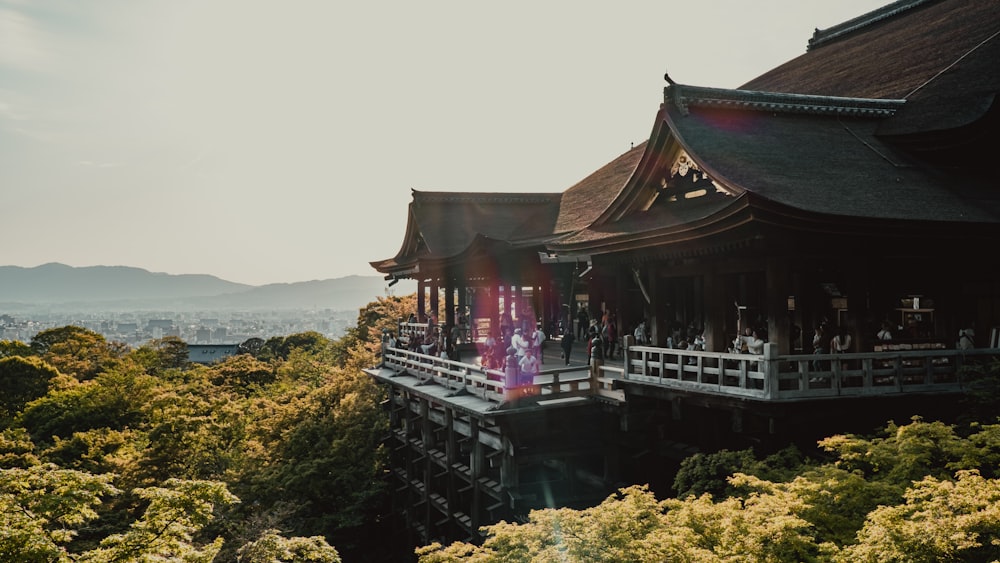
x,y
852,188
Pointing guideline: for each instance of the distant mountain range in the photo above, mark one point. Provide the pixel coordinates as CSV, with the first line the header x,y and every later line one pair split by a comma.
x,y
54,287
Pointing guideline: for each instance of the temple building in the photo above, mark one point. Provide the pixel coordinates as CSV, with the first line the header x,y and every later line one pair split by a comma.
x,y
849,191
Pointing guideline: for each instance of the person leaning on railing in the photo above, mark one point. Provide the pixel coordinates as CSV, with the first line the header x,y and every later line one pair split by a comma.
x,y
595,348
819,347
966,339
530,366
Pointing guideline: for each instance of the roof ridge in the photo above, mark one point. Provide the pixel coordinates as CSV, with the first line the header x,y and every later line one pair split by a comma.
x,y
822,36
685,96
488,197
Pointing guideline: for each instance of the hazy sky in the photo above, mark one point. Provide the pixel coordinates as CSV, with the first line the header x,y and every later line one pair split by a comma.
x,y
278,141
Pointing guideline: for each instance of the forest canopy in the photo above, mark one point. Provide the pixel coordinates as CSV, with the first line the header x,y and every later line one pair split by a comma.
x,y
109,453
920,492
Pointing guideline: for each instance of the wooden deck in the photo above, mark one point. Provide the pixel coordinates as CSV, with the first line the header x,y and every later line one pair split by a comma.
x,y
774,378
481,390
765,377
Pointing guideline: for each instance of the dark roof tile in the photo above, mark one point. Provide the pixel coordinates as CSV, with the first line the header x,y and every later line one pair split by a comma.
x,y
890,58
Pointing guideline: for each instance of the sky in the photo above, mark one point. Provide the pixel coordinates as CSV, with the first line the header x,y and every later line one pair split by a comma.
x,y
278,141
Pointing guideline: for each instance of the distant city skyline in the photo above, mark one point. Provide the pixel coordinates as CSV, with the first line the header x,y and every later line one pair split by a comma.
x,y
264,142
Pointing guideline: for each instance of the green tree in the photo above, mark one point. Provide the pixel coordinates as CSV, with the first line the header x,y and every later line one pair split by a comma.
x,y
251,346
175,513
114,400
318,448
99,450
16,449
22,379
193,433
279,348
633,526
940,521
169,352
41,508
242,373
382,315
710,472
77,351
43,341
10,348
272,547
981,400
900,455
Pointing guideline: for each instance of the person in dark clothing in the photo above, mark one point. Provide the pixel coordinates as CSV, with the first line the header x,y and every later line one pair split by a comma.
x,y
567,344
610,337
582,322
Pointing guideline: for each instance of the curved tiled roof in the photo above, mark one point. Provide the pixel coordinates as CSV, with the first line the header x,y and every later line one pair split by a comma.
x,y
825,164
450,222
584,202
820,135
904,46
806,136
661,220
446,224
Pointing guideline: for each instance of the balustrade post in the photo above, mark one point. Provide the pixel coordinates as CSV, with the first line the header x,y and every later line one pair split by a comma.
x,y
510,383
770,365
385,347
595,371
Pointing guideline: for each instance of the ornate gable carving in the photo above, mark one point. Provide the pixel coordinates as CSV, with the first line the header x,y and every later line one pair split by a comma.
x,y
684,180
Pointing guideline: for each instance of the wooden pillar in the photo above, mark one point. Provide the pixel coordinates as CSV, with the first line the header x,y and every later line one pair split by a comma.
x,y
518,302
509,478
861,324
616,307
421,299
717,305
463,300
426,442
505,298
655,321
449,303
434,299
476,460
778,288
409,460
451,455
538,302
493,301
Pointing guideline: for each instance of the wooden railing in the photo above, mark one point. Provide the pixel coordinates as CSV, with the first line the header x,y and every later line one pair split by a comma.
x,y
766,376
493,385
772,377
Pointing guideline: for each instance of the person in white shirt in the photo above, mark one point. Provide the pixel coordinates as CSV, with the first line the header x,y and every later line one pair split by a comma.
x,y
530,366
842,342
519,342
755,344
538,342
884,333
640,334
966,339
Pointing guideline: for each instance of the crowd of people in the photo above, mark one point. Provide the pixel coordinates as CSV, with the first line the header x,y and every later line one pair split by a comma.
x,y
520,344
520,348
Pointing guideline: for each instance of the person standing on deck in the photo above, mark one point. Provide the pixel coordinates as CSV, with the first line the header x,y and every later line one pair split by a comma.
x,y
567,344
538,343
582,323
530,366
519,342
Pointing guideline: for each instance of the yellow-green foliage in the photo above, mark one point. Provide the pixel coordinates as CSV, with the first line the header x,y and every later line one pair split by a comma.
x,y
914,493
291,427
